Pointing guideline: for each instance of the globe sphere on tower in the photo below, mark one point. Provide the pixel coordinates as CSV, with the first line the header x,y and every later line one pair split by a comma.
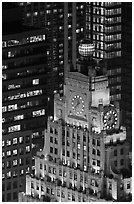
x,y
86,48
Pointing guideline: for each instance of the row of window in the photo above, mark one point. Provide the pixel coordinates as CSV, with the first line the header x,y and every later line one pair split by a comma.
x,y
16,86
15,173
8,197
15,141
24,95
15,152
15,42
23,105
72,174
14,163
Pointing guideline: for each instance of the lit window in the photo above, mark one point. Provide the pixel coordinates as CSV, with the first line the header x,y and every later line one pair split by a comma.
x,y
3,176
85,168
3,143
84,147
8,142
78,146
38,113
12,107
4,66
14,128
21,172
4,76
20,140
34,93
4,109
13,86
8,153
4,44
15,140
27,148
15,162
3,154
9,174
35,81
18,117
15,152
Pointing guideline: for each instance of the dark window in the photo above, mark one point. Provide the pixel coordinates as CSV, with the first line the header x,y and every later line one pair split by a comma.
x,y
56,151
93,141
3,187
15,195
51,139
122,162
27,139
74,155
128,185
98,163
56,132
40,166
51,130
115,152
68,154
121,151
56,141
68,144
15,184
67,133
93,151
84,138
63,152
115,163
3,197
32,185
98,152
78,137
110,186
51,150
98,142
9,186
9,197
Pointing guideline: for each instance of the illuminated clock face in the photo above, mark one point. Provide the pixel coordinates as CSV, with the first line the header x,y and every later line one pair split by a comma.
x,y
78,105
110,119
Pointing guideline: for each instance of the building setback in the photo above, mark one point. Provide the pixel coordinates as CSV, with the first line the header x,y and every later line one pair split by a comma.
x,y
85,156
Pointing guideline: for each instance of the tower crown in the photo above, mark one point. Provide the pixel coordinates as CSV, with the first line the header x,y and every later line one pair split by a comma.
x,y
86,48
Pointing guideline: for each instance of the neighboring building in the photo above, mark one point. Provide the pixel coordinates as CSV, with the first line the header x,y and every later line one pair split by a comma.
x,y
25,101
85,156
104,28
109,26
127,68
64,24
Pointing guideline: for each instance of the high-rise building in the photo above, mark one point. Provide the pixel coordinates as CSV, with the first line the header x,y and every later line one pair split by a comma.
x,y
64,25
127,68
25,99
104,28
109,26
85,156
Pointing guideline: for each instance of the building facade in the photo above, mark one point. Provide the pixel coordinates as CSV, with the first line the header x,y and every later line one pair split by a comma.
x,y
24,103
85,156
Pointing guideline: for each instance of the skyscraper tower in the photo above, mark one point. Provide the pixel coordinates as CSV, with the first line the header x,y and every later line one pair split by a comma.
x,y
104,28
85,156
